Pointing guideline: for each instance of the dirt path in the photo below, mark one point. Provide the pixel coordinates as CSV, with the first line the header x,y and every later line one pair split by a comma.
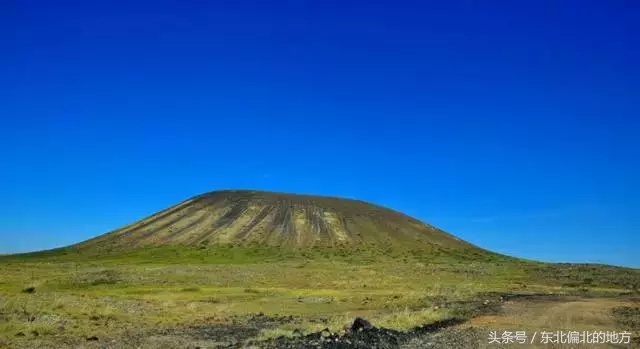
x,y
533,316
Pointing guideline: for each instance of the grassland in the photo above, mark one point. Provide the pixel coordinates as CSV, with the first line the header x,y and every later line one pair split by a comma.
x,y
156,297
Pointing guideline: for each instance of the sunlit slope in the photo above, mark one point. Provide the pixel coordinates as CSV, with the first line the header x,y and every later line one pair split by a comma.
x,y
243,217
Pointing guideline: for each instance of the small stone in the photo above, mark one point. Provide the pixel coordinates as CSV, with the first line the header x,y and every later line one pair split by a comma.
x,y
325,333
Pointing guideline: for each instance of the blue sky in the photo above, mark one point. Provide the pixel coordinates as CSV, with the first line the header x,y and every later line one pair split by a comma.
x,y
513,124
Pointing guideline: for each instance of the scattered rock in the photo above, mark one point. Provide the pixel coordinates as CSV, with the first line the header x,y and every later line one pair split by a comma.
x,y
315,299
359,324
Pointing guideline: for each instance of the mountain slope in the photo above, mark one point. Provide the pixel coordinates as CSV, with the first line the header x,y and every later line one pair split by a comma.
x,y
244,217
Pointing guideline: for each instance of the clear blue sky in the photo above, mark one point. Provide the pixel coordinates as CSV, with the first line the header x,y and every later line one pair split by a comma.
x,y
514,125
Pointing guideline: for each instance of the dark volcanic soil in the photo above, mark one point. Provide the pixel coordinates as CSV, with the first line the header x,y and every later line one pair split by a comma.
x,y
231,335
361,335
358,337
239,331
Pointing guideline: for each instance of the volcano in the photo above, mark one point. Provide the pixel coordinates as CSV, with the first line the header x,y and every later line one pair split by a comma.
x,y
248,217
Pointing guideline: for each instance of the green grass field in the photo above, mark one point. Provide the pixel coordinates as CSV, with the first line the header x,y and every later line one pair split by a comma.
x,y
62,297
